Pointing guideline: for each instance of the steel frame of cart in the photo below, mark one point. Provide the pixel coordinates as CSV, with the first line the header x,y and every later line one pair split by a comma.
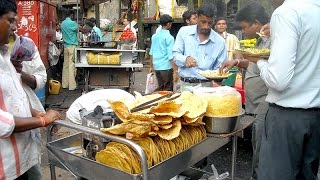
x,y
61,154
108,76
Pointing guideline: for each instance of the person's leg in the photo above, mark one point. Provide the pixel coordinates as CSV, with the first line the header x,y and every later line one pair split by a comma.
x,y
167,77
283,143
65,70
72,68
257,131
160,81
311,153
34,173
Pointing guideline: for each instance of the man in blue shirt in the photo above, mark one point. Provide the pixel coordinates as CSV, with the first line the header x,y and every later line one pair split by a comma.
x,y
198,47
161,54
69,29
95,28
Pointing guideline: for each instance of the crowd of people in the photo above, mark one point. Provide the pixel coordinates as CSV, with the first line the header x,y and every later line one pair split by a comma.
x,y
281,93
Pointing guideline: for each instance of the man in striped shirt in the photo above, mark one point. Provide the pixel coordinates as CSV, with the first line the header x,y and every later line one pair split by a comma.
x,y
19,151
232,42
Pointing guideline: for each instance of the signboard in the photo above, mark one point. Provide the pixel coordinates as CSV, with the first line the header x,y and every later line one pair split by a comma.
x,y
28,20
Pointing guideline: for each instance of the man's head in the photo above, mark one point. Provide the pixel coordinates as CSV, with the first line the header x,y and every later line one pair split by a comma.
x,y
166,21
206,14
70,14
93,20
125,21
221,25
190,17
88,26
251,18
8,11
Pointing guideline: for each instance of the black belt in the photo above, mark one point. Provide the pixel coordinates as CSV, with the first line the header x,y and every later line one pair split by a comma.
x,y
301,109
194,80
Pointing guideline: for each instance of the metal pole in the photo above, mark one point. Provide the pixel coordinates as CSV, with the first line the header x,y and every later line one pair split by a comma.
x,y
141,44
234,155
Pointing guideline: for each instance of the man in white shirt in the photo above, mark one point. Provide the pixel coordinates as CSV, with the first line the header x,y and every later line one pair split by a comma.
x,y
19,150
232,42
290,146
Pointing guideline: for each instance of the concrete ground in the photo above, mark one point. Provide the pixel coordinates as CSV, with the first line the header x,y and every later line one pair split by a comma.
x,y
221,158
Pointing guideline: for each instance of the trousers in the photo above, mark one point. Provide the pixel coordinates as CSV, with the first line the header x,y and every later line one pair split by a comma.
x,y
290,146
69,70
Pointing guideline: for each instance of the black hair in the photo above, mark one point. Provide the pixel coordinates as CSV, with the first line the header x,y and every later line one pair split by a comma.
x,y
219,19
187,15
253,12
7,6
207,10
69,13
89,23
93,20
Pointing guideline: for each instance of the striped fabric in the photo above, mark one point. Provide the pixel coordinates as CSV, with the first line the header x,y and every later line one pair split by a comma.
x,y
18,151
232,43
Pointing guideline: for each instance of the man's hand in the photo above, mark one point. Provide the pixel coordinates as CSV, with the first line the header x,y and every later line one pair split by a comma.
x,y
36,113
18,65
227,66
50,116
175,76
191,62
266,30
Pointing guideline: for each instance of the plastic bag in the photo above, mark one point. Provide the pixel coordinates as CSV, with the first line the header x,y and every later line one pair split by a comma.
x,y
152,83
223,101
23,49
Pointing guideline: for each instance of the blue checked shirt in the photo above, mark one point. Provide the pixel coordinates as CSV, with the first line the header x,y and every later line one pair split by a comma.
x,y
209,54
94,37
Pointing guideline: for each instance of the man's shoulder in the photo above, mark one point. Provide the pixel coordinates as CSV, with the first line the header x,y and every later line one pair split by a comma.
x,y
188,29
232,35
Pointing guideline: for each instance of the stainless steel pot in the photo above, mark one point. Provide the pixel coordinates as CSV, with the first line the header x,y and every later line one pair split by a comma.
x,y
219,125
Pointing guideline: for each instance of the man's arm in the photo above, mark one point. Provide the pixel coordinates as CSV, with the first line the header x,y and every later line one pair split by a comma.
x,y
278,71
151,58
222,57
10,124
38,77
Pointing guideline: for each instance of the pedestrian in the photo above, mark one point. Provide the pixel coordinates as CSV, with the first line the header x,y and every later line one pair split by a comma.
x,y
69,29
198,47
251,18
95,28
161,57
290,147
19,150
190,17
232,42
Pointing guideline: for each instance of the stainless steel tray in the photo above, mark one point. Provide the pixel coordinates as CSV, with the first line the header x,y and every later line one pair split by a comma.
x,y
89,169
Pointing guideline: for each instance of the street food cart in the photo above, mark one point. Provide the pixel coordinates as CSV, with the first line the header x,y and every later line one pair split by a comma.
x,y
64,152
120,75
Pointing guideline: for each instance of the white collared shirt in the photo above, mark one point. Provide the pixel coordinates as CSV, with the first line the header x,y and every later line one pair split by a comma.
x,y
18,151
292,72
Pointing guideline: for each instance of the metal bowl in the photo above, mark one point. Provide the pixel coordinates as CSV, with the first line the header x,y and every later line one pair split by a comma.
x,y
220,125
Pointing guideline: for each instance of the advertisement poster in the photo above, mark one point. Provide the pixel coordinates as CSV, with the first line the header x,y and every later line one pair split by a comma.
x,y
28,20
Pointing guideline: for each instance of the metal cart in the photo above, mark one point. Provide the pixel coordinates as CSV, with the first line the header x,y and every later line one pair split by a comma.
x,y
109,76
61,154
